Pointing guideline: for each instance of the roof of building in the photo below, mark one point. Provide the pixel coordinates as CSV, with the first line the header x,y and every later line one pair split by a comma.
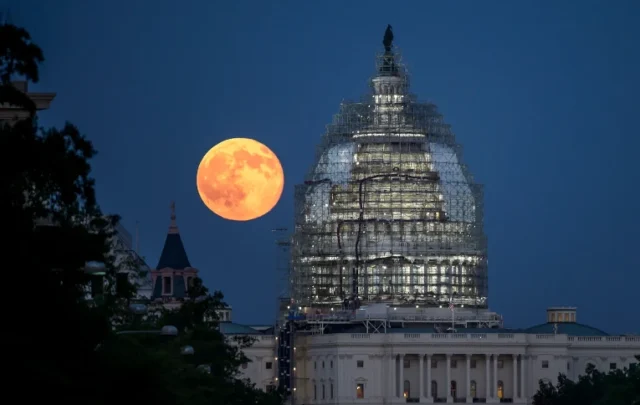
x,y
566,328
571,329
230,328
173,254
355,328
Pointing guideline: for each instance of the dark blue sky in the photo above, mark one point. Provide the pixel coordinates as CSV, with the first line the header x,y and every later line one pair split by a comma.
x,y
543,95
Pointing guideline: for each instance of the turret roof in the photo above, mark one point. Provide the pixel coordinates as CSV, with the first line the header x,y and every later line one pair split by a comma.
x,y
173,254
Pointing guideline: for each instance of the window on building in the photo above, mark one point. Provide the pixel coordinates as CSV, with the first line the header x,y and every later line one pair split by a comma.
x,y
434,363
360,391
500,389
406,390
315,392
268,365
613,366
322,391
167,285
454,389
473,363
434,389
360,363
500,364
406,363
315,365
331,390
473,388
454,363
189,282
545,363
331,364
323,364
568,366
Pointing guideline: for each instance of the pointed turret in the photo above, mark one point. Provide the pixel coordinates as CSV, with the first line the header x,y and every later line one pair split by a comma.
x,y
173,274
173,254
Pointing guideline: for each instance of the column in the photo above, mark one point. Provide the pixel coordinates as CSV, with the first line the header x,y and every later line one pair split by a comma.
x,y
487,374
391,383
401,376
523,394
468,389
429,393
448,386
421,376
515,377
494,387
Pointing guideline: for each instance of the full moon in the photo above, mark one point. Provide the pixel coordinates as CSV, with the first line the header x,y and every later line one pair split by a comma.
x,y
240,179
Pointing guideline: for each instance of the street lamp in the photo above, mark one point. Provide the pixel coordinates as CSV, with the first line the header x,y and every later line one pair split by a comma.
x,y
94,268
138,309
169,330
205,368
97,271
187,350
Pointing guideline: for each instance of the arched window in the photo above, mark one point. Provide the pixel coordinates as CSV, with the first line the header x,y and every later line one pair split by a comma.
x,y
474,388
454,389
500,389
434,389
407,389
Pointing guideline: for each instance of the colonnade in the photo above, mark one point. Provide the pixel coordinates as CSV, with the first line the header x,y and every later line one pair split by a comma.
x,y
494,389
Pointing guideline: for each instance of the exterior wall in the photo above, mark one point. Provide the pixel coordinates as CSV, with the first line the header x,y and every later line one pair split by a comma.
x,y
261,369
518,360
12,114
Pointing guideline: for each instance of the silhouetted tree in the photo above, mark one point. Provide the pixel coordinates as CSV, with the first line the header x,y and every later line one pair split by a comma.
x,y
18,56
219,355
618,387
64,345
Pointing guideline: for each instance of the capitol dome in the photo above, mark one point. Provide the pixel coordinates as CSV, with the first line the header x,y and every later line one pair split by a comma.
x,y
388,212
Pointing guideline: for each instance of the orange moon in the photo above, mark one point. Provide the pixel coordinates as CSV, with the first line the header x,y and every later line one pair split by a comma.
x,y
240,179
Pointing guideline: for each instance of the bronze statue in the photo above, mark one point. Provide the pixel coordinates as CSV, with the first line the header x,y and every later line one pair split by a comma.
x,y
388,39
388,60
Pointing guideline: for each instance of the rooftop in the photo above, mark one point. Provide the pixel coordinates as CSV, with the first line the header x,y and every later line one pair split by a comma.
x,y
173,255
230,328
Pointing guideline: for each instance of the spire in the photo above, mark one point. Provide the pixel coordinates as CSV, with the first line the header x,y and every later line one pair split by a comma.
x,y
5,17
173,254
173,227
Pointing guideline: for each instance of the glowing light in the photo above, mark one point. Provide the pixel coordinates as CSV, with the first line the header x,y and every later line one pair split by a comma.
x,y
240,179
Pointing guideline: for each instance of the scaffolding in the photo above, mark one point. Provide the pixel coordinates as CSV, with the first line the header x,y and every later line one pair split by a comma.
x,y
388,213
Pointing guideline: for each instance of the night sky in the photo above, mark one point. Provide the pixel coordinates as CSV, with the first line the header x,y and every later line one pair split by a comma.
x,y
543,95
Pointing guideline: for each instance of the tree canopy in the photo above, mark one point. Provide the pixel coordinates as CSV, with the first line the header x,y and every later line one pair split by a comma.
x,y
618,387
67,347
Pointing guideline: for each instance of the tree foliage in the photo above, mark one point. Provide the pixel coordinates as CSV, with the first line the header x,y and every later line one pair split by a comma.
x,y
66,346
18,57
618,387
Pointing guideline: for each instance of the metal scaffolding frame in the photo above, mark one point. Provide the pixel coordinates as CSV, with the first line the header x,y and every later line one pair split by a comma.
x,y
388,212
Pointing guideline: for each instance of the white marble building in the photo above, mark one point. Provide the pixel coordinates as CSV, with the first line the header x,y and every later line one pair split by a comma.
x,y
417,363
389,214
447,367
